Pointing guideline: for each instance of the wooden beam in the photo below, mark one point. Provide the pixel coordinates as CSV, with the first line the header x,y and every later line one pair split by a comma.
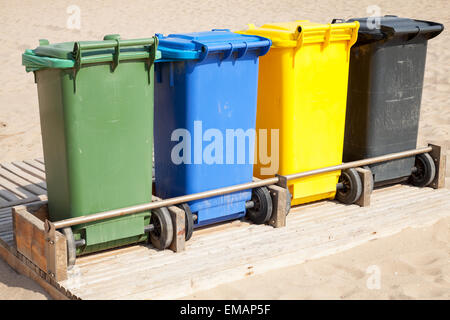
x,y
367,187
279,203
22,201
32,240
439,157
179,227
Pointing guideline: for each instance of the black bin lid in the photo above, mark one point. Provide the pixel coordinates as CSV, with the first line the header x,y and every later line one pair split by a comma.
x,y
393,27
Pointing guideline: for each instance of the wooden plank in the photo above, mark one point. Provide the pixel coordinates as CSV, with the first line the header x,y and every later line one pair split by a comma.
x,y
16,189
24,184
35,164
8,196
194,259
202,253
367,186
23,201
6,226
29,236
440,159
29,169
3,202
38,209
24,175
165,279
5,213
31,241
347,238
179,229
41,160
236,250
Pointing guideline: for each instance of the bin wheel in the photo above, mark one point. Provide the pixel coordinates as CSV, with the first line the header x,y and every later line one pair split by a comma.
x,y
288,201
71,247
189,220
162,234
262,210
372,184
425,170
352,186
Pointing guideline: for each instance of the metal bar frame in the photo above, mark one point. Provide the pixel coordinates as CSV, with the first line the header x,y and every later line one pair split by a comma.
x,y
240,187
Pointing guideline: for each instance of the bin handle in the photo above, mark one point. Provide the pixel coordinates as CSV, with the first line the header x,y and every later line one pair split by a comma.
x,y
242,51
227,53
337,20
204,50
115,62
81,46
416,34
428,32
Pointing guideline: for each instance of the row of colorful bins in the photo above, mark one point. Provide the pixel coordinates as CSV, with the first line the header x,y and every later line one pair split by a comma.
x,y
96,109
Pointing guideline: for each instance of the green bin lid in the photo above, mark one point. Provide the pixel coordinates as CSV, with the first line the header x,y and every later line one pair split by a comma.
x,y
67,54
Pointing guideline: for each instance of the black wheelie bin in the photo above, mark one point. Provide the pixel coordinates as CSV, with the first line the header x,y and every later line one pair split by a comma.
x,y
387,66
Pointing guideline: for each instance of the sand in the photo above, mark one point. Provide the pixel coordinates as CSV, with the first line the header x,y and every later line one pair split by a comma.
x,y
413,264
24,22
14,286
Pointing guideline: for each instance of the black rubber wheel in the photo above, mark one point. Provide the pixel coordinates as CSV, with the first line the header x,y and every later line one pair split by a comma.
x,y
189,220
425,170
71,248
288,201
262,210
352,186
162,235
372,184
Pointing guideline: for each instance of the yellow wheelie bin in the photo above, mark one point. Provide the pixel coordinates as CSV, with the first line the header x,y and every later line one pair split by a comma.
x,y
302,93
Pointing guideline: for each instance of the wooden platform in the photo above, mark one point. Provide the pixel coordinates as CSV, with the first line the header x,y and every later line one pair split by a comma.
x,y
22,182
223,253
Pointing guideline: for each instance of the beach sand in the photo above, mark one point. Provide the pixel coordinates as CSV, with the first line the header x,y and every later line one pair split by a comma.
x,y
24,22
413,264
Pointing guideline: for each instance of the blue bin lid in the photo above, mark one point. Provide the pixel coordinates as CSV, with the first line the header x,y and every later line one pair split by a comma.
x,y
197,45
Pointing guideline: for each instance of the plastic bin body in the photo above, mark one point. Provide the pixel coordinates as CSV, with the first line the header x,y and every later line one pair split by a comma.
x,y
97,139
384,93
212,95
302,93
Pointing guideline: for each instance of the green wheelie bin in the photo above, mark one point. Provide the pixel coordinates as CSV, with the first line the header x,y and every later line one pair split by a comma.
x,y
96,114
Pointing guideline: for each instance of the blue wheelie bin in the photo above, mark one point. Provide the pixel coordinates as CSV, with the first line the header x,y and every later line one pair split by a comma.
x,y
205,114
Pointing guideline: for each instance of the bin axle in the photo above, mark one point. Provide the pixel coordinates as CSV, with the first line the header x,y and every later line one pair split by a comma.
x,y
80,243
340,186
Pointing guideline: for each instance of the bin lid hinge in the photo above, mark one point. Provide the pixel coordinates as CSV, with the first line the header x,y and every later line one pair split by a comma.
x,y
77,55
116,57
327,37
151,57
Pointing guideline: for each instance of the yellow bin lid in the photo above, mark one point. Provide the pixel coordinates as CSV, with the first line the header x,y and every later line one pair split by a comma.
x,y
299,32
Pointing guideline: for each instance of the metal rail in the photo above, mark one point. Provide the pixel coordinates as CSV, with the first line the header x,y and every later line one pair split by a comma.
x,y
216,192
360,163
